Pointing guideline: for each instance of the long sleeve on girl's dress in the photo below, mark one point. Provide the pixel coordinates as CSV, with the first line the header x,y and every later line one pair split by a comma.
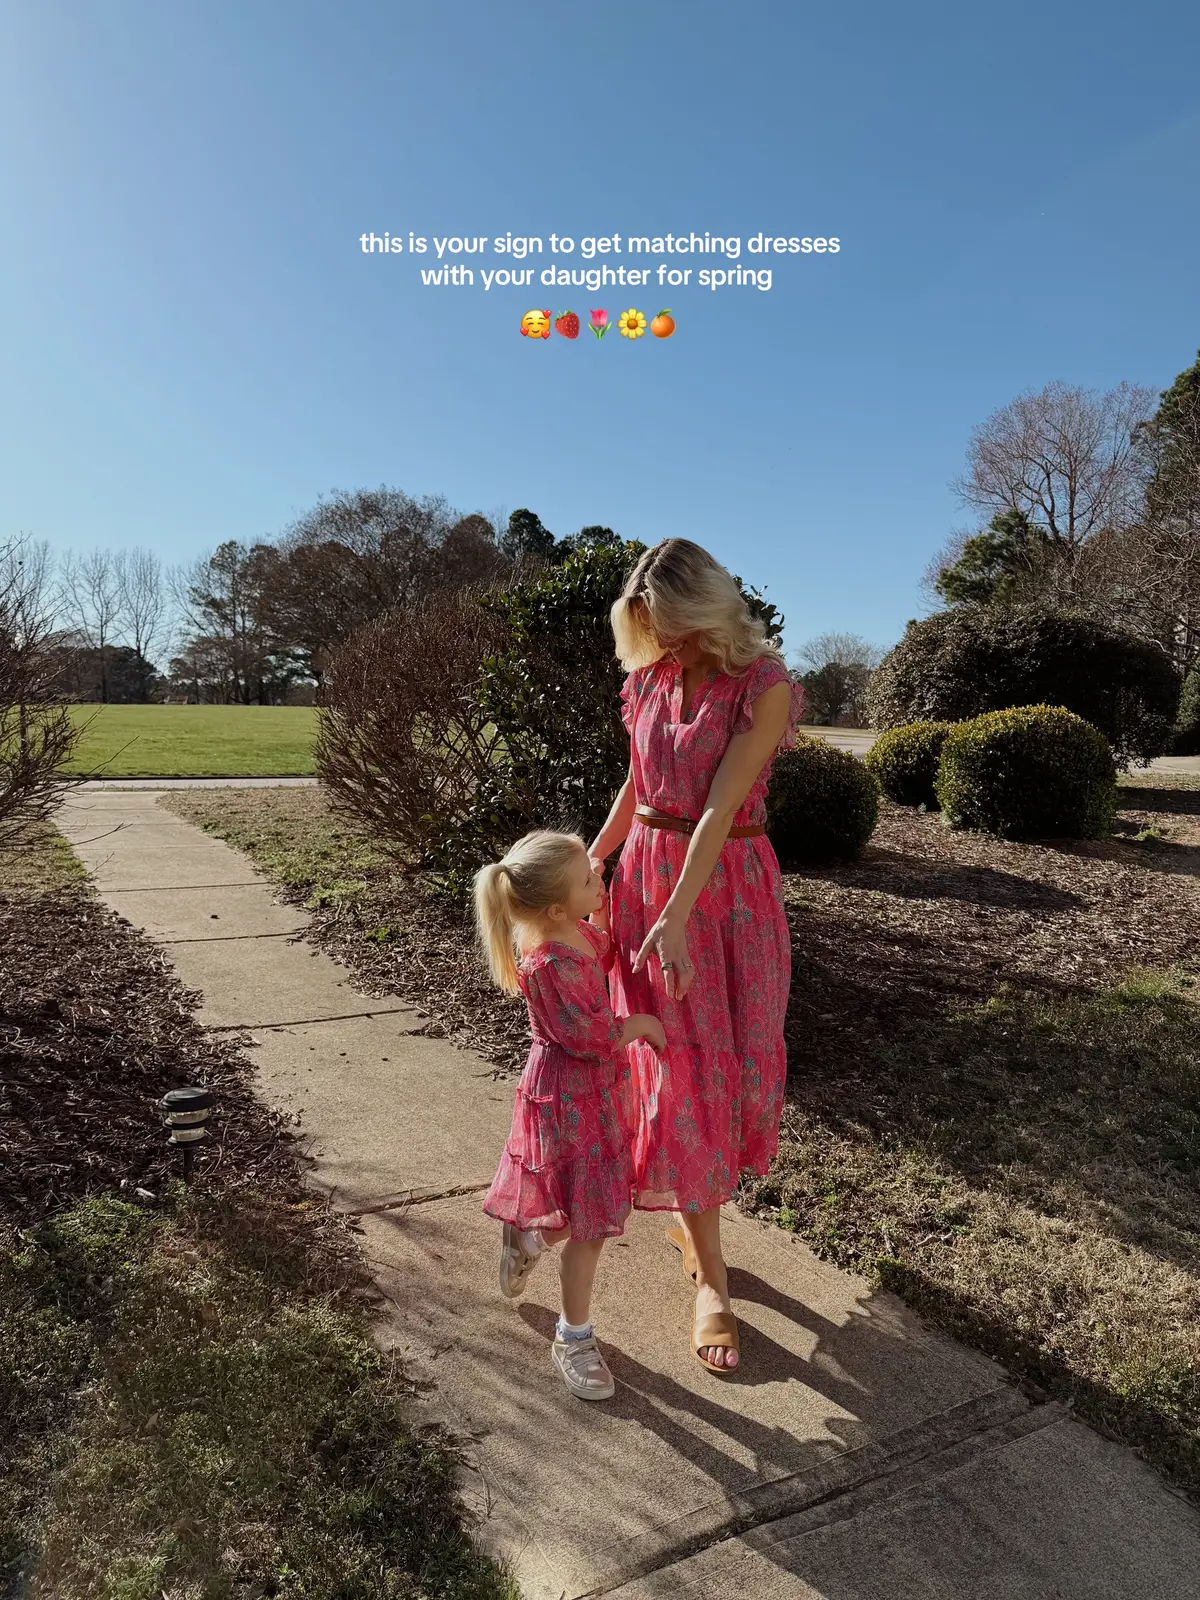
x,y
571,1006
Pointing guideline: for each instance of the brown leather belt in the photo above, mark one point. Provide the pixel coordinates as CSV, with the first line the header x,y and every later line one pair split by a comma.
x,y
656,819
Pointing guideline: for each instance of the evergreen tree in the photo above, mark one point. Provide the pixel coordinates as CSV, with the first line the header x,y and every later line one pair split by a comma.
x,y
997,566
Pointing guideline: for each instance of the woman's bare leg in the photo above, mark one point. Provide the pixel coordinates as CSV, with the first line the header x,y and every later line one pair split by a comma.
x,y
577,1271
703,1229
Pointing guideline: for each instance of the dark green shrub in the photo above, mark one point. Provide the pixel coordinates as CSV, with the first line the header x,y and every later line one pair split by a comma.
x,y
553,695
961,663
1185,736
905,760
1034,772
822,805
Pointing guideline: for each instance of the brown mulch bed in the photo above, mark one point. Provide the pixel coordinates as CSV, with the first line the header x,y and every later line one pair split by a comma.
x,y
94,1028
929,922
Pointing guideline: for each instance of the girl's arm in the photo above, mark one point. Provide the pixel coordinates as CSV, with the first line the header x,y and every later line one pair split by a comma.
x,y
617,825
600,918
747,755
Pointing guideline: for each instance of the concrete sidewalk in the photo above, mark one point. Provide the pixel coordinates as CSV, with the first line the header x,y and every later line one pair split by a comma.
x,y
855,1455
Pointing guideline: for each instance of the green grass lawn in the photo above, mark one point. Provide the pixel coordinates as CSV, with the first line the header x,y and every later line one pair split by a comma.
x,y
195,741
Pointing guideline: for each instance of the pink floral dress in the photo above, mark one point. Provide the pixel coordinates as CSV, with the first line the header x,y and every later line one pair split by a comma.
x,y
568,1159
710,1105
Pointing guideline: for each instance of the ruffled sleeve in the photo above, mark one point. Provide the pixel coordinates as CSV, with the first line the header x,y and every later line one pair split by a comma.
x,y
630,690
760,676
571,1006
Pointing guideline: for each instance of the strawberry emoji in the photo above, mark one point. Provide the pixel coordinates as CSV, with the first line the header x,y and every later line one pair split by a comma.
x,y
567,324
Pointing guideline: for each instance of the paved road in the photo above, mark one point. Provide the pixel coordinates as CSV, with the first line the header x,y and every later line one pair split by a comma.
x,y
856,1456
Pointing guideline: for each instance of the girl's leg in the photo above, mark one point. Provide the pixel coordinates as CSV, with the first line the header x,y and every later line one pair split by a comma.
x,y
580,1258
576,1353
703,1229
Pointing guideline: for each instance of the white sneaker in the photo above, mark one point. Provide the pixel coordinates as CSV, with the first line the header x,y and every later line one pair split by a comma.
x,y
516,1263
584,1370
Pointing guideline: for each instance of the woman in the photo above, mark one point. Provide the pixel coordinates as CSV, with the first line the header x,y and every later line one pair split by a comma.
x,y
708,703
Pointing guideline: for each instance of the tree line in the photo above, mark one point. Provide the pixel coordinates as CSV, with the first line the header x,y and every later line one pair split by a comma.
x,y
1092,504
254,623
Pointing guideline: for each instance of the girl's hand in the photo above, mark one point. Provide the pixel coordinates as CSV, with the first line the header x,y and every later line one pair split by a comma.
x,y
667,940
654,1033
643,1026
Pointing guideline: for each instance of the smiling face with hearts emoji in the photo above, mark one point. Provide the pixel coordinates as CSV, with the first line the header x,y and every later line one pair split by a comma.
x,y
536,325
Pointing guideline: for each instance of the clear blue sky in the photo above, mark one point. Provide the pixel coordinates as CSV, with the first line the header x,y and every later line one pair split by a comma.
x,y
195,348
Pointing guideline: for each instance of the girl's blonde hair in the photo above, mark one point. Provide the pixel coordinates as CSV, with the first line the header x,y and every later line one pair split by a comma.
x,y
678,588
534,875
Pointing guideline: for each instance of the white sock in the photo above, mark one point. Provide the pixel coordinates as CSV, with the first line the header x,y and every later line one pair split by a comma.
x,y
533,1241
572,1331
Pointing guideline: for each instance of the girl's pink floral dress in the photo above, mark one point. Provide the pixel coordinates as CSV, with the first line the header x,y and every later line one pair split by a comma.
x,y
568,1160
710,1104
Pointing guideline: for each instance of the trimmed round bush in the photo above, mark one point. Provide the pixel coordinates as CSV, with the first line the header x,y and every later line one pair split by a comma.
x,y
971,659
822,805
1185,738
905,760
1034,772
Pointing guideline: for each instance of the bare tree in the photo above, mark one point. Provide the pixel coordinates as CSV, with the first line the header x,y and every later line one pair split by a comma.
x,y
842,649
1067,458
364,553
37,734
143,607
89,597
838,668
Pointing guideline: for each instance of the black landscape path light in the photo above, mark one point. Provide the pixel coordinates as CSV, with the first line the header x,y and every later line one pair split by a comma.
x,y
187,1112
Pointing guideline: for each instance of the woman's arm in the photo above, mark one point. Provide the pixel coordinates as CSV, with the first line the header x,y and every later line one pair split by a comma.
x,y
617,825
747,755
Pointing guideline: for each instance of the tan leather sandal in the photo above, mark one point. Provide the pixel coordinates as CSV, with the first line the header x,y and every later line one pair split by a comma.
x,y
717,1331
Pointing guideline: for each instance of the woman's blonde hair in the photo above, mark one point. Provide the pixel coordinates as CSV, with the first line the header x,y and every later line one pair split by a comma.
x,y
531,877
678,588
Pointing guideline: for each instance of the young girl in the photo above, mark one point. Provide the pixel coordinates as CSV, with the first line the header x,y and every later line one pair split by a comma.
x,y
566,1169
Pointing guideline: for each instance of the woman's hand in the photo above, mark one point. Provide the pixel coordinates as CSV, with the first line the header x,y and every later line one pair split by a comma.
x,y
667,940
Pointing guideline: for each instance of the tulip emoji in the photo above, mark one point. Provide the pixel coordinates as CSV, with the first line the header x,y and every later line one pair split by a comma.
x,y
600,323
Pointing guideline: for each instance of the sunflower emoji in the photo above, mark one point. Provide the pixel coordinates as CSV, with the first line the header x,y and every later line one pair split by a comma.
x,y
632,324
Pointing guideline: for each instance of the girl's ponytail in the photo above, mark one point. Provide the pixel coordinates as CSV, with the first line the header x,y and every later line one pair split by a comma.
x,y
495,920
